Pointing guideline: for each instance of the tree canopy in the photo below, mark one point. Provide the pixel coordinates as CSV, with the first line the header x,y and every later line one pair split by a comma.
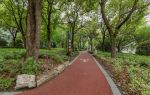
x,y
115,23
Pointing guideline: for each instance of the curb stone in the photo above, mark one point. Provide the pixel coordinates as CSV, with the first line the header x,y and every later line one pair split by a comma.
x,y
66,64
56,71
8,93
111,83
51,75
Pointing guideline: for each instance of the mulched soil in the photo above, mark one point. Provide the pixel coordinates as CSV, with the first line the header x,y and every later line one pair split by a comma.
x,y
121,78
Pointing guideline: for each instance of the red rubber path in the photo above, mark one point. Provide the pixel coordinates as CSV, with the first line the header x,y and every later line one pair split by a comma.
x,y
83,77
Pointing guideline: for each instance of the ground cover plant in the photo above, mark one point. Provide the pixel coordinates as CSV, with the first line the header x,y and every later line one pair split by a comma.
x,y
12,63
131,72
35,36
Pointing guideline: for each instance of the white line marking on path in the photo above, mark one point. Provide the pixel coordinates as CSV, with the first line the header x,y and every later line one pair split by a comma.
x,y
84,60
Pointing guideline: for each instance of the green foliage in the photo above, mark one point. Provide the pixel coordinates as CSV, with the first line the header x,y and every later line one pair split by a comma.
x,y
59,37
19,43
75,53
30,67
10,67
143,49
15,55
131,59
54,54
107,46
8,71
138,69
11,53
140,79
142,33
12,63
1,65
3,43
81,17
5,82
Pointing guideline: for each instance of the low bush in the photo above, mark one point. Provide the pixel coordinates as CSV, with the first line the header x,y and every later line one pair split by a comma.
x,y
5,83
59,55
9,68
15,55
3,42
1,65
30,67
12,63
143,49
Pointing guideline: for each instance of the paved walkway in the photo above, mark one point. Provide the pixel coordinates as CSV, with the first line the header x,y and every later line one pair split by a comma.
x,y
83,77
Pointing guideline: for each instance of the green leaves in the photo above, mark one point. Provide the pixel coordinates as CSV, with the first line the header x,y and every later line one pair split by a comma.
x,y
30,67
5,83
138,69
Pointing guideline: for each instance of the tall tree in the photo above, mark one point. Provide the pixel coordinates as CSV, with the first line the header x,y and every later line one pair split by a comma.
x,y
17,12
13,31
103,32
33,28
48,5
120,11
73,16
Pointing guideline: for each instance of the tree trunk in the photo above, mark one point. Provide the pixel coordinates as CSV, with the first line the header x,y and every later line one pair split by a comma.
x,y
49,15
119,49
33,28
24,39
72,41
62,44
49,28
113,34
22,32
14,36
78,45
49,36
80,42
113,46
83,44
91,44
14,42
103,42
119,46
23,35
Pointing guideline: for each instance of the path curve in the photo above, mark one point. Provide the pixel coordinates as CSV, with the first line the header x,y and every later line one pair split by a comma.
x,y
83,77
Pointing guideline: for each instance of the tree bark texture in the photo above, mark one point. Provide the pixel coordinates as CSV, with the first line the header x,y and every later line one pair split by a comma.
x,y
114,32
33,28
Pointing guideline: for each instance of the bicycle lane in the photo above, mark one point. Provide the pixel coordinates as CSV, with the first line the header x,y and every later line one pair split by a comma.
x,y
83,77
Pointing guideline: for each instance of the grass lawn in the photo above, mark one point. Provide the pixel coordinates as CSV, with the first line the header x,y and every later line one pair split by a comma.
x,y
132,72
12,63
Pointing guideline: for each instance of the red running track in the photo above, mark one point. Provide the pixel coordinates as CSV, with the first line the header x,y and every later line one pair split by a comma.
x,y
83,77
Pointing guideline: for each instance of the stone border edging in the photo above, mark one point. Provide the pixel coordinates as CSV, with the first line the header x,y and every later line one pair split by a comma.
x,y
52,74
56,71
8,93
111,83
